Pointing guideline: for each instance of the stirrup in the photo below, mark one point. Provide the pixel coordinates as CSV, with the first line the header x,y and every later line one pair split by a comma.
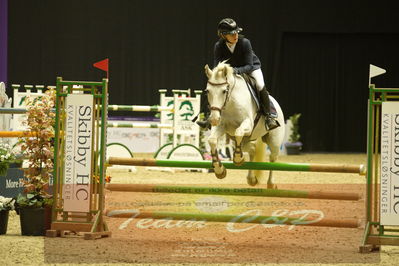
x,y
271,123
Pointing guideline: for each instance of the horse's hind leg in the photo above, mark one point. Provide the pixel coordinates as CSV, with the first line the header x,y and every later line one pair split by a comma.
x,y
274,152
270,183
220,170
252,180
244,129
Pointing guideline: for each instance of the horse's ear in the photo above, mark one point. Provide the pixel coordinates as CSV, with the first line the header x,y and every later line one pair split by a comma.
x,y
225,71
208,72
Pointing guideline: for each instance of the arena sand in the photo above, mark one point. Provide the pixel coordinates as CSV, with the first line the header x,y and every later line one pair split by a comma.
x,y
146,242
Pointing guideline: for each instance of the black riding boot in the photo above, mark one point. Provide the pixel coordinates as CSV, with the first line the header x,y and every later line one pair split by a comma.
x,y
270,122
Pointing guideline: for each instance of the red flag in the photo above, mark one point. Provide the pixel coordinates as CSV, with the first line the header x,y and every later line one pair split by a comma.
x,y
103,65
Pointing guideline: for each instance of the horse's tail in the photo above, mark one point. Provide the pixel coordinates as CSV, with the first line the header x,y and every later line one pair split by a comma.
x,y
260,156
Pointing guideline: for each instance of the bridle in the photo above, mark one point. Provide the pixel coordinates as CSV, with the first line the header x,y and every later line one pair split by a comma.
x,y
228,93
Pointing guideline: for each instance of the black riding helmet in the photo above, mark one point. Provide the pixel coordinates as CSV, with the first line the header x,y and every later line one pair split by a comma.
x,y
228,26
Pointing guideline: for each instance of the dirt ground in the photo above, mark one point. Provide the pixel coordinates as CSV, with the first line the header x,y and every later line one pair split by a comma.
x,y
151,242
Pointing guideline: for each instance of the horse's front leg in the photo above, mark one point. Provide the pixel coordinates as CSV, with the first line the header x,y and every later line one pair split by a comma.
x,y
216,133
274,153
244,129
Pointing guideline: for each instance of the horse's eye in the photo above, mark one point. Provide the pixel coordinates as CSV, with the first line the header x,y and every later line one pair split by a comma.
x,y
225,91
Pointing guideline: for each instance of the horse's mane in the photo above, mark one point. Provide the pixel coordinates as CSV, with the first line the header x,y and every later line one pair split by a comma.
x,y
223,67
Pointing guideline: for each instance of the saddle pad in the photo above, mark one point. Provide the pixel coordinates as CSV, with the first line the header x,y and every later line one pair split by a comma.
x,y
252,89
250,81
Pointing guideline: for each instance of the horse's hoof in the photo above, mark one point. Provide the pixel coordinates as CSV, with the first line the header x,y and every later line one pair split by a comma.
x,y
222,174
252,181
238,163
238,158
271,186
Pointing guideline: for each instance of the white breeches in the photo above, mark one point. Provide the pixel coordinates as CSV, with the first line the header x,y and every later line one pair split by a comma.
x,y
258,76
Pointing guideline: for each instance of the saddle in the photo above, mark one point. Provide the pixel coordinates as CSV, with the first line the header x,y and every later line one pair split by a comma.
x,y
251,85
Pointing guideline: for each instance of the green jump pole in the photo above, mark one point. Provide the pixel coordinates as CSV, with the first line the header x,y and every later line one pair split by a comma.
x,y
257,192
302,167
227,218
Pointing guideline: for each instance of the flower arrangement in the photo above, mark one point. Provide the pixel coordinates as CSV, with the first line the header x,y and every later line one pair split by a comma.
x,y
293,145
6,157
38,149
295,136
6,204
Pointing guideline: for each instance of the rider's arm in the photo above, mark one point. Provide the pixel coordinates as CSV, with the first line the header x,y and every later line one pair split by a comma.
x,y
247,60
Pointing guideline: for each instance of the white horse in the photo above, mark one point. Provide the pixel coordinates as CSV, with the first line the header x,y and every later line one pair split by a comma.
x,y
234,112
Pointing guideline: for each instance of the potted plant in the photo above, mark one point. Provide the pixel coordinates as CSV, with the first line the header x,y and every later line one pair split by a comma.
x,y
34,205
6,205
293,146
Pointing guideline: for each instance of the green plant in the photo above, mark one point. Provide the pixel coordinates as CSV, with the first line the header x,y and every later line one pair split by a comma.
x,y
33,200
7,156
294,136
6,204
38,150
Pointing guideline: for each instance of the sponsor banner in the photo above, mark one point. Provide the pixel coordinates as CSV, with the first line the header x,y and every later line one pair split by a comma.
x,y
187,109
78,148
389,190
138,140
12,183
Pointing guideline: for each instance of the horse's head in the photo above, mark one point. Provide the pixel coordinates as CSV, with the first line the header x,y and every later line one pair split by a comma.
x,y
218,89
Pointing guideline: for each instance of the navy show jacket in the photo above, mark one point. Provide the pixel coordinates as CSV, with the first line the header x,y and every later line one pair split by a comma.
x,y
243,59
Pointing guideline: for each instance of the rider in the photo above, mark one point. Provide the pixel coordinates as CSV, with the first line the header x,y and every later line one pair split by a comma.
x,y
241,57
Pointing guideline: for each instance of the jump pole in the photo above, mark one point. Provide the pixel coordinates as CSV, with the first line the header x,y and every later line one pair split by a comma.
x,y
139,108
303,167
139,125
17,134
114,107
257,192
228,218
13,110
